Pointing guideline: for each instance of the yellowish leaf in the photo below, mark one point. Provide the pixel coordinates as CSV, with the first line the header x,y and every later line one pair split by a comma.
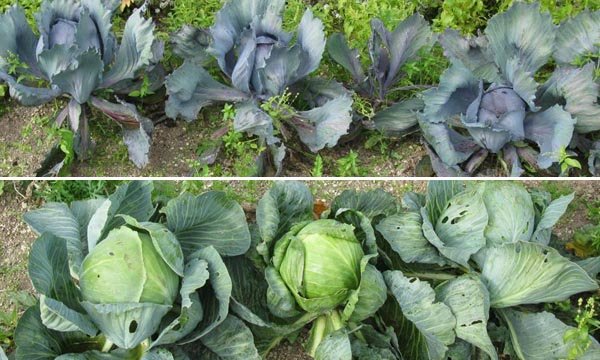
x,y
125,4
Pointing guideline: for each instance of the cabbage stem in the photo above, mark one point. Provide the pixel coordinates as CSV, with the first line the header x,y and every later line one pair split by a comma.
x,y
107,346
323,326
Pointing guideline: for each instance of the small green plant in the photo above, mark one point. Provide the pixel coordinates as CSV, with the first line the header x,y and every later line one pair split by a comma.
x,y
363,107
593,211
586,241
228,112
8,319
66,146
378,140
317,170
422,73
279,107
349,165
144,89
243,152
567,162
578,338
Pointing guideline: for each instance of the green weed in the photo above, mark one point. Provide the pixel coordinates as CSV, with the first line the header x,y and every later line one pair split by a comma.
x,y
144,89
464,15
317,170
567,162
190,12
586,241
593,212
69,191
353,18
228,112
348,165
380,141
578,338
30,7
363,107
19,301
556,188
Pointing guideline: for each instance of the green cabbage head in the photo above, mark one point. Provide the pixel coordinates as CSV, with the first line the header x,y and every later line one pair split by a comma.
x,y
127,268
320,263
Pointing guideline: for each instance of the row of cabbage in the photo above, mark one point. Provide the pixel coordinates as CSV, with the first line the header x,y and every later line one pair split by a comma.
x,y
458,272
487,102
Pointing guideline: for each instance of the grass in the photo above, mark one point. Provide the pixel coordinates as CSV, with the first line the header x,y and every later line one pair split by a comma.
x,y
18,302
71,190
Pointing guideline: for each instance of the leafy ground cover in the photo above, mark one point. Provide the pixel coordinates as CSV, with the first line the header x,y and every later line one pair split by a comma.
x,y
181,148
20,197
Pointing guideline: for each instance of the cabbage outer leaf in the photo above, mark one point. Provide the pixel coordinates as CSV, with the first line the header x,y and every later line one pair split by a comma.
x,y
469,301
472,53
552,130
116,321
511,213
135,50
323,126
578,36
529,343
285,204
404,233
458,88
523,33
210,219
528,273
576,89
459,230
232,339
416,316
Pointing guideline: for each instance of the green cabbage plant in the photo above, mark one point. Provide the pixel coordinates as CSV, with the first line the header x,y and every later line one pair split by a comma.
x,y
389,51
119,280
470,267
76,54
265,67
307,271
489,102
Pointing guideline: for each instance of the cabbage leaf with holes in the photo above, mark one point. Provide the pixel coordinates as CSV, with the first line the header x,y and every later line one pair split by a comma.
x,y
261,62
488,101
461,260
77,55
116,284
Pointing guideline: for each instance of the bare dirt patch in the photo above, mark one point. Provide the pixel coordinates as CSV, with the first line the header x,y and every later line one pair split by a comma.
x,y
26,137
16,242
